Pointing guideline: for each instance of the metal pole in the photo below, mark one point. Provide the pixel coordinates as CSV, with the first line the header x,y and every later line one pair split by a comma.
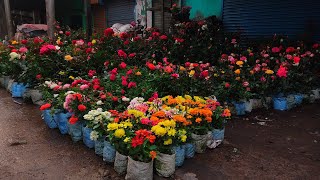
x,y
50,11
8,18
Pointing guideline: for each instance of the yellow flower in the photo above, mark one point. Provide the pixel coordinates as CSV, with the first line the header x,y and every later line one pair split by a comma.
x,y
119,133
169,123
136,113
112,126
238,78
191,73
71,77
222,72
158,130
68,58
14,42
237,71
269,71
188,97
93,41
127,124
182,132
138,73
183,138
127,139
172,132
215,75
239,63
62,73
168,142
58,41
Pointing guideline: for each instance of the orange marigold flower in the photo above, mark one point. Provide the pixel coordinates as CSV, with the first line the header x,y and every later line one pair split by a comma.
x,y
153,155
152,138
209,119
226,113
198,120
159,114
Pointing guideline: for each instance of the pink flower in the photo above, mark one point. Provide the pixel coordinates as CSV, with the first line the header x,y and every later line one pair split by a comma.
x,y
175,75
122,65
275,49
113,77
145,121
23,50
289,57
79,42
243,58
66,86
227,85
245,84
132,55
263,79
282,72
83,87
296,60
163,37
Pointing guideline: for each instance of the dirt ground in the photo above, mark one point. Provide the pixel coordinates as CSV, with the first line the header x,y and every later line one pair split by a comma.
x,y
263,145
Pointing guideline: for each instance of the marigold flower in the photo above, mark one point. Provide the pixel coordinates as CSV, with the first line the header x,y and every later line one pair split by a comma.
x,y
237,71
239,63
153,154
68,58
119,133
198,120
167,142
269,71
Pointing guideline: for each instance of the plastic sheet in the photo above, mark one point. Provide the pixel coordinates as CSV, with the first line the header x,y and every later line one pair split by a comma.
x,y
165,164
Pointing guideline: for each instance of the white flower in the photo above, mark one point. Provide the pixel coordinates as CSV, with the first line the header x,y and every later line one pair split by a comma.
x,y
99,102
125,99
99,110
57,47
106,115
204,27
94,135
88,117
14,55
70,92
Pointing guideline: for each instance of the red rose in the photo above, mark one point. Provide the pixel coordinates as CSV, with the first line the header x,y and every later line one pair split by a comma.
x,y
38,76
124,82
67,33
24,41
124,35
204,73
132,84
151,66
103,96
163,37
275,49
122,65
137,38
123,91
315,46
73,119
129,72
82,107
45,106
296,59
132,55
126,42
227,85
175,75
108,32
122,54
290,50
114,98
112,77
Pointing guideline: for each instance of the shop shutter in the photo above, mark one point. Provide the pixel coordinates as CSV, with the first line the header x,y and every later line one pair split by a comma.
x,y
255,18
120,11
161,20
99,17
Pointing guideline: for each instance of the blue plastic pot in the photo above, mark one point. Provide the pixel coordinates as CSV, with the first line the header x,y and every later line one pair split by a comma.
x,y
218,134
180,155
86,137
98,146
109,152
75,131
190,150
18,89
48,119
280,103
298,99
63,119
240,108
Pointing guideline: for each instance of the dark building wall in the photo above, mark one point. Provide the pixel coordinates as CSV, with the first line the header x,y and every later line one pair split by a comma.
x,y
3,24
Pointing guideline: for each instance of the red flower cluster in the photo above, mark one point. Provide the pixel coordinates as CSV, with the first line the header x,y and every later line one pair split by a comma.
x,y
73,119
141,136
108,32
45,106
82,107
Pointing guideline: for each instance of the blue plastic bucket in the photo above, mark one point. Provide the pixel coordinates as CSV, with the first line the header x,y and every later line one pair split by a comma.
x,y
48,119
190,150
86,137
98,146
280,103
75,131
298,99
63,119
240,108
218,134
180,155
18,89
109,152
